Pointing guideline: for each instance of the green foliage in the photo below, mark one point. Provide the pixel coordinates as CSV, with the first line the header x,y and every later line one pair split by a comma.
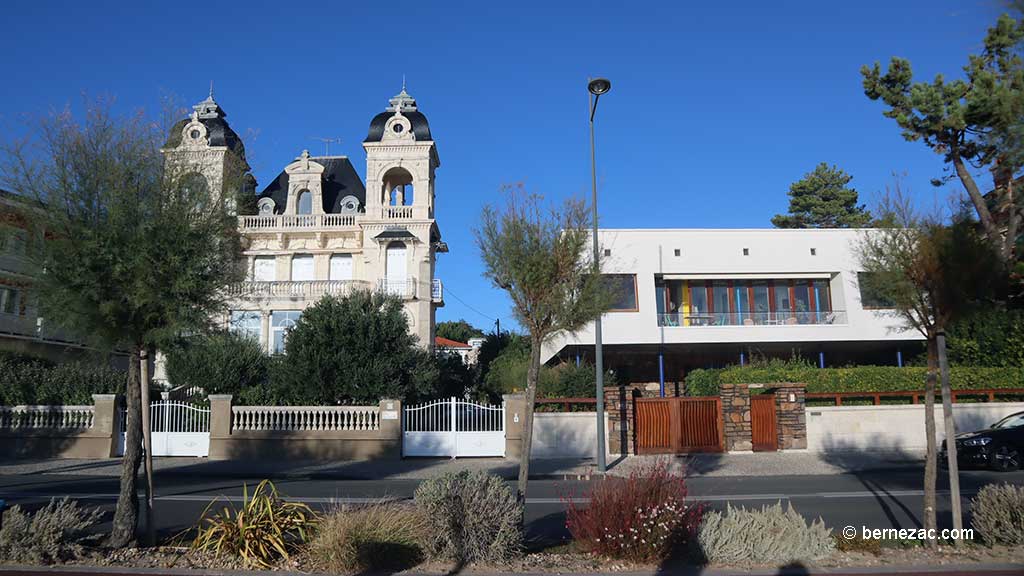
x,y
470,517
53,534
219,363
28,380
458,330
507,372
972,122
853,379
374,538
822,199
355,350
769,535
998,514
991,337
264,530
567,380
454,377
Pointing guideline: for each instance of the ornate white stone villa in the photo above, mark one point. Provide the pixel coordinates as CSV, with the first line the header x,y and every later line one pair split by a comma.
x,y
319,230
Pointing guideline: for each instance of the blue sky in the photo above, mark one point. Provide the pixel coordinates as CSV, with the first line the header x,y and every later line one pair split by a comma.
x,y
715,107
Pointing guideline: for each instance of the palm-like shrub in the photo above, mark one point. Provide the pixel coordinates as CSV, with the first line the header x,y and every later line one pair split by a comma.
x,y
264,530
644,518
470,517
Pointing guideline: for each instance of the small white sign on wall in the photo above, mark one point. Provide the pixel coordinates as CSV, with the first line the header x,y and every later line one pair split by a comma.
x,y
389,415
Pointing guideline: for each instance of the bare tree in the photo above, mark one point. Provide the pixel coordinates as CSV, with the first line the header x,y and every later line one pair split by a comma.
x,y
538,255
931,270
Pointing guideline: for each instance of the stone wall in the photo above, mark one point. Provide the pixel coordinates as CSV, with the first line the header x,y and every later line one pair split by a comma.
x,y
791,416
736,416
618,405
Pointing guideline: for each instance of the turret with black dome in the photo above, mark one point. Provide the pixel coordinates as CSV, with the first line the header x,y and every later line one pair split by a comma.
x,y
406,104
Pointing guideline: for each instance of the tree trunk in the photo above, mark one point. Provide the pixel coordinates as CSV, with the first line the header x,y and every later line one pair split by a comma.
x,y
930,459
1013,224
532,375
950,430
147,445
980,205
126,515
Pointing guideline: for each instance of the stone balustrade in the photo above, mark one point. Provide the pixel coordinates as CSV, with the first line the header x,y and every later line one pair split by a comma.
x,y
305,418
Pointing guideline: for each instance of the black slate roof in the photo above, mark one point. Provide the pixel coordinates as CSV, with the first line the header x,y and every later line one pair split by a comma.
x,y
217,130
339,180
420,128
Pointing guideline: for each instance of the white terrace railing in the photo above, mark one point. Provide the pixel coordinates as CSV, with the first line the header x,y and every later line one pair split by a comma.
x,y
305,418
46,417
293,221
312,289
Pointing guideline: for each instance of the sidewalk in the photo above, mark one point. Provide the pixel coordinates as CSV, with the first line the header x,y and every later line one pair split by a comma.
x,y
755,464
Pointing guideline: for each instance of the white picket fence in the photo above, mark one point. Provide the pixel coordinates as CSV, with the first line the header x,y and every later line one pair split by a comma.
x,y
454,428
305,418
46,417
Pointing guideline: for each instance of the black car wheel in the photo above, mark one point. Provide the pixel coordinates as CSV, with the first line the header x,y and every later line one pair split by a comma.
x,y
1004,459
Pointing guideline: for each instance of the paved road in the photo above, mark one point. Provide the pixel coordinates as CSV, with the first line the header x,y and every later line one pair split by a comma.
x,y
876,499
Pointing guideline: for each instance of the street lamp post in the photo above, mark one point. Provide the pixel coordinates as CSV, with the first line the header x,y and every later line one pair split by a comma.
x,y
597,87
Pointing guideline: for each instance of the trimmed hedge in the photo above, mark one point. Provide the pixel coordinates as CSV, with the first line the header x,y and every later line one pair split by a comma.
x,y
29,380
853,379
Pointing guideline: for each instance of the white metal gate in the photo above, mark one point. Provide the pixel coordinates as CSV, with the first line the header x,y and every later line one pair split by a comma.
x,y
453,428
178,429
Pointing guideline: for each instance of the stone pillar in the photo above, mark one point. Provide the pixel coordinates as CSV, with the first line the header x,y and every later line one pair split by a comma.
x,y
791,416
618,406
736,415
220,426
515,407
391,427
266,340
106,421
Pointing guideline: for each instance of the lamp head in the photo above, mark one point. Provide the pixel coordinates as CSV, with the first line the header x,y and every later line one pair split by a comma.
x,y
599,86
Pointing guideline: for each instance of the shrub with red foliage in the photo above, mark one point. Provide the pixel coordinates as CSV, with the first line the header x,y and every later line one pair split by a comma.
x,y
643,518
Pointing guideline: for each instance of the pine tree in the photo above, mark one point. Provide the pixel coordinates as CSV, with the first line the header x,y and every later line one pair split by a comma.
x,y
822,199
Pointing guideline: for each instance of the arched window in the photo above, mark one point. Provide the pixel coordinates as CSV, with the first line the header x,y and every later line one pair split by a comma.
x,y
194,189
305,202
398,187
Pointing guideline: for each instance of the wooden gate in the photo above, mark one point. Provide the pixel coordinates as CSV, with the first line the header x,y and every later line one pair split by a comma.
x,y
679,425
762,423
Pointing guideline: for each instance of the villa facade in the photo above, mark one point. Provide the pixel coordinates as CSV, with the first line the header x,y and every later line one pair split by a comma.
x,y
702,298
318,229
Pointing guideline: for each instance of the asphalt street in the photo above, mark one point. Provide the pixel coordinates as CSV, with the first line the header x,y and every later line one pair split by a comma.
x,y
875,499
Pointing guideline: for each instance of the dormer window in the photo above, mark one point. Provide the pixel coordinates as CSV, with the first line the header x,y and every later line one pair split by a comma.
x,y
304,203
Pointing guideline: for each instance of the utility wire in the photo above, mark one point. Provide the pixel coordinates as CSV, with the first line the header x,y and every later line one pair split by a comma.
x,y
463,302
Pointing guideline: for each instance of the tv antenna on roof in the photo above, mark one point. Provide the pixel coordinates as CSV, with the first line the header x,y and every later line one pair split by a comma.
x,y
327,143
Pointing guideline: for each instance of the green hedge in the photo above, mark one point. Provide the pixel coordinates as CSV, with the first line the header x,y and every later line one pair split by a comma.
x,y
28,380
853,379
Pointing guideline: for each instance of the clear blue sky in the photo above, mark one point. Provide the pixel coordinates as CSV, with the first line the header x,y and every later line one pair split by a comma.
x,y
715,108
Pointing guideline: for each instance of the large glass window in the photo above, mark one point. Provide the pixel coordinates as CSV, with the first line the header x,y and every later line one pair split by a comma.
x,y
623,291
264,269
302,268
8,300
247,323
783,303
341,267
720,301
281,322
762,302
802,301
698,298
872,292
305,202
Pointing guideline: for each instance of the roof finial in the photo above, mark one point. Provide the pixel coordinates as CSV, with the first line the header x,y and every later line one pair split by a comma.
x,y
403,82
211,89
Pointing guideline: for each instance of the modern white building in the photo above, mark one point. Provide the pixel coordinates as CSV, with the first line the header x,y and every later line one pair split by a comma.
x,y
319,229
700,298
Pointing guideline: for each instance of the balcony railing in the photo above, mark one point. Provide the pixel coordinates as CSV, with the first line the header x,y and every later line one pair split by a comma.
x,y
436,290
752,318
32,326
403,288
396,212
268,222
295,289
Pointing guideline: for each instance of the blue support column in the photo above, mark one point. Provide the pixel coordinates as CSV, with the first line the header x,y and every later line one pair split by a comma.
x,y
743,359
661,372
899,358
821,359
577,359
